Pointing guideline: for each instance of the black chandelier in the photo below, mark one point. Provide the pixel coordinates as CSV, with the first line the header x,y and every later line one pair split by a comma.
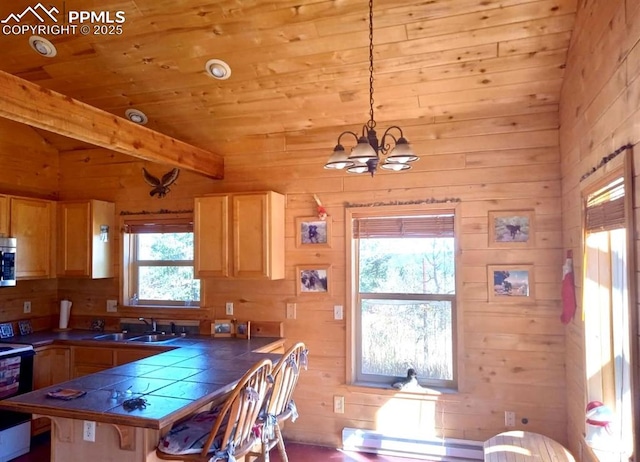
x,y
365,156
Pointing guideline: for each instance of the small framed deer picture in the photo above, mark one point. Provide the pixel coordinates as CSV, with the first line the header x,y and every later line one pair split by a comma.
x,y
511,228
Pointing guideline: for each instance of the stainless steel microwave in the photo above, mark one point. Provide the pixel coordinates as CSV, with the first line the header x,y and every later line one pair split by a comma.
x,y
7,261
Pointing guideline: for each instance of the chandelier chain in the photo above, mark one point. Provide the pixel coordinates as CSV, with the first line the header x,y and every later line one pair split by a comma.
x,y
372,122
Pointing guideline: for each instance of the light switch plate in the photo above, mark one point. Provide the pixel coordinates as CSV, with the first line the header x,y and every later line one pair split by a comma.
x,y
291,311
338,312
229,309
112,306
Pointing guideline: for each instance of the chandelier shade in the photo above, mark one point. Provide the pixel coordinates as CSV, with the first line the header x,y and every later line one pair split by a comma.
x,y
338,159
367,154
362,152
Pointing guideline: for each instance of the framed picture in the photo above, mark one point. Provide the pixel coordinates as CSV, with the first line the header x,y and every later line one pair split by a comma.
x,y
313,279
513,228
313,232
222,328
243,329
510,283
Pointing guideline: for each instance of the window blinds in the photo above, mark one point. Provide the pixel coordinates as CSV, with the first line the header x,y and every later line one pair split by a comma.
x,y
606,208
398,227
168,225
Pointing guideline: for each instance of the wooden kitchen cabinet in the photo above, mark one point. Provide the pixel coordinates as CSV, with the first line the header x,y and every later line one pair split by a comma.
x,y
128,355
51,365
87,360
32,222
240,235
4,216
84,250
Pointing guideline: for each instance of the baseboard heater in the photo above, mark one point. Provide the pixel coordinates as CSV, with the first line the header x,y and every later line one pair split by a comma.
x,y
447,449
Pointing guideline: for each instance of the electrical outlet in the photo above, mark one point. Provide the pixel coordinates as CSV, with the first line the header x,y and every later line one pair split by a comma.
x,y
229,308
89,431
291,311
337,312
509,419
112,306
27,307
338,404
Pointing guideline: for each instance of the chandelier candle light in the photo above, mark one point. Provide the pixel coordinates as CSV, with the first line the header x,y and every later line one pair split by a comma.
x,y
365,156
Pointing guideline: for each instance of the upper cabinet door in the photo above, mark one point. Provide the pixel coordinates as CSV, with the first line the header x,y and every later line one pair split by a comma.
x,y
74,245
85,239
240,235
211,236
4,216
251,236
32,223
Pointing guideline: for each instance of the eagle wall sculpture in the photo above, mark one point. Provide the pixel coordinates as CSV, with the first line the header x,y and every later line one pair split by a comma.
x,y
160,186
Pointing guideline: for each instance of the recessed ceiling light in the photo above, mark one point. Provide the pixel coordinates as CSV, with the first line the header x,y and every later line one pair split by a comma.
x,y
42,46
136,116
218,69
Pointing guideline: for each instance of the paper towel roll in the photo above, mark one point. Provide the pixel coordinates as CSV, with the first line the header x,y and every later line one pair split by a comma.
x,y
65,312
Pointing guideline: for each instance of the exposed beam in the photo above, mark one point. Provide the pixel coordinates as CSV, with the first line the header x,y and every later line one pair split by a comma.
x,y
39,107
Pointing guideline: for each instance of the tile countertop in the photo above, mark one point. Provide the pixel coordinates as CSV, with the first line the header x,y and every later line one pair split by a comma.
x,y
174,383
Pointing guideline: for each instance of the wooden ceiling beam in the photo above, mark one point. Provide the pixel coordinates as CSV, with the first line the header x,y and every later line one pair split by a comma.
x,y
31,104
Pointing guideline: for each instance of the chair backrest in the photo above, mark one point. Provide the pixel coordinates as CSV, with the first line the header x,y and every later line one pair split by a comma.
x,y
239,412
285,377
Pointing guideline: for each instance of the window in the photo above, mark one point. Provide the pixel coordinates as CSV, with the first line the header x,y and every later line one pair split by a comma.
x,y
404,297
607,316
158,260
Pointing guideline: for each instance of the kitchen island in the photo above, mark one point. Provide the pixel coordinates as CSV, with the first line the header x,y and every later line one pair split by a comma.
x,y
173,383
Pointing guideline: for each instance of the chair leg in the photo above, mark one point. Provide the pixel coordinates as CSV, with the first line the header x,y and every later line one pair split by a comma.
x,y
283,452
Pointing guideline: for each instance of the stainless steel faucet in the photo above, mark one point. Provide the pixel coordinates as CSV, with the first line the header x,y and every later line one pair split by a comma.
x,y
153,324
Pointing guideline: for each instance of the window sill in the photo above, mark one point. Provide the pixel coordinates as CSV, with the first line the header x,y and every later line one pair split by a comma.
x,y
164,307
380,389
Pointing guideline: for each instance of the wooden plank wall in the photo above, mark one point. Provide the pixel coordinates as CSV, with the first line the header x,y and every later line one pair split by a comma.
x,y
29,167
513,356
599,113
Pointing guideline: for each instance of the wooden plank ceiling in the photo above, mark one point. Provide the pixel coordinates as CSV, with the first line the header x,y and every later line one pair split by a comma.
x,y
300,67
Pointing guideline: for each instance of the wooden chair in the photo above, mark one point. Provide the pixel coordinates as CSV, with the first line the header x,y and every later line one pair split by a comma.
x,y
226,432
279,405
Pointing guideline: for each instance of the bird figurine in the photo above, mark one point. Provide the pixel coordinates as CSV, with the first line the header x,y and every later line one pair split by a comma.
x,y
160,186
410,382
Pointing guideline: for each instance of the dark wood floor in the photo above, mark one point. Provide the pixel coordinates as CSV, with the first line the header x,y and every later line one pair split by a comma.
x,y
40,452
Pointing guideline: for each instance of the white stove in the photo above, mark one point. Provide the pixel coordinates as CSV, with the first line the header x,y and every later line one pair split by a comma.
x,y
13,348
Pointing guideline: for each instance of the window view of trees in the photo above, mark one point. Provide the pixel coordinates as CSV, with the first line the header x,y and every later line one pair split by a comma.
x,y
165,268
407,290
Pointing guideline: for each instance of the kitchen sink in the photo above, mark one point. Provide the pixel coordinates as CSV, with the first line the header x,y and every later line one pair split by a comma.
x,y
153,338
113,337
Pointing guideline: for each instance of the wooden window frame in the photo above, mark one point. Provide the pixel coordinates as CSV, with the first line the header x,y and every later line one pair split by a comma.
x,y
352,292
131,227
620,166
